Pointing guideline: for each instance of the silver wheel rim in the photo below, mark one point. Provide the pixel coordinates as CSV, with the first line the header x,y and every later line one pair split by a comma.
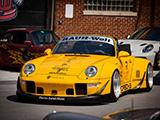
x,y
150,76
116,84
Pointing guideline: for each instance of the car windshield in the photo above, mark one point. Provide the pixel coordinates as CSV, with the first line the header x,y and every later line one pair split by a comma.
x,y
42,37
147,34
86,45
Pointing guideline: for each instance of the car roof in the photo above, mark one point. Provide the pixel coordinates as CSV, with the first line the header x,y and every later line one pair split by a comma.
x,y
151,27
25,29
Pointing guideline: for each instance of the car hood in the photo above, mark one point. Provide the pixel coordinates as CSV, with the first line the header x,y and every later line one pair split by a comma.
x,y
135,114
138,45
69,64
135,42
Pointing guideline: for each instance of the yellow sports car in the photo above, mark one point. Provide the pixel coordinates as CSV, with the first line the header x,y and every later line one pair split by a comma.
x,y
84,68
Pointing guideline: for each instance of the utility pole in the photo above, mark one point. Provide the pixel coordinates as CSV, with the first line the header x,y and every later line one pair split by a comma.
x,y
50,14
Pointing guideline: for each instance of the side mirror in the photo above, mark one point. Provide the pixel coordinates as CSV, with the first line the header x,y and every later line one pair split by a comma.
x,y
28,43
128,36
47,51
123,54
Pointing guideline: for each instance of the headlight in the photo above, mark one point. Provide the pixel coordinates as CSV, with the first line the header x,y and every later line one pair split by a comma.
x,y
91,71
148,48
28,69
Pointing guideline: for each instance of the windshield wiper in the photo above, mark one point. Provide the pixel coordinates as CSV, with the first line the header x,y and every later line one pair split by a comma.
x,y
98,53
77,54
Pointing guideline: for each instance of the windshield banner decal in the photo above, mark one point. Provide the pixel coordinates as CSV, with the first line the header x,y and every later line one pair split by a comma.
x,y
88,38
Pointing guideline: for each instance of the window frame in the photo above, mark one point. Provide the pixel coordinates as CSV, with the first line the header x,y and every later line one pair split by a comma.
x,y
109,13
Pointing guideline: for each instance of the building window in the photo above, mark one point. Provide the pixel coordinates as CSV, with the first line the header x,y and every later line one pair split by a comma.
x,y
109,6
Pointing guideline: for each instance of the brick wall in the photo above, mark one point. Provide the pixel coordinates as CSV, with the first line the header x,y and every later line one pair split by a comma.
x,y
157,13
118,27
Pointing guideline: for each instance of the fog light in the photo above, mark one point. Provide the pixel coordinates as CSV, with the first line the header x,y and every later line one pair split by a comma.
x,y
23,82
93,84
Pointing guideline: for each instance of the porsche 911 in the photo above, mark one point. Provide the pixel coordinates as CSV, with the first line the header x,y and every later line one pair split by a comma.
x,y
83,68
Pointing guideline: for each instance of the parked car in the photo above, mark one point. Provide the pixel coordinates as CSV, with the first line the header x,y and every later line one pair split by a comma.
x,y
83,68
126,114
145,43
19,45
158,58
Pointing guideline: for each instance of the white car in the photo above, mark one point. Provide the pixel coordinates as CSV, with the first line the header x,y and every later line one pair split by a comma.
x,y
144,43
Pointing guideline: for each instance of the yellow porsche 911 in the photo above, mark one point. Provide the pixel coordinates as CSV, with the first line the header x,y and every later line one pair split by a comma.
x,y
84,68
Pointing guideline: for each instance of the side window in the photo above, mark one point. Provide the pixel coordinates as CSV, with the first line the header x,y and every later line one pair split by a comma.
x,y
19,37
27,37
56,38
5,37
153,36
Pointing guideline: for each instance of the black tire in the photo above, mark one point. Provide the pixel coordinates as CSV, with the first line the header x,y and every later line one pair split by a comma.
x,y
157,58
149,78
115,87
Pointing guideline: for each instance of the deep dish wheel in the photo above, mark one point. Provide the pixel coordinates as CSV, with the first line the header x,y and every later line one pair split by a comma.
x,y
115,87
149,78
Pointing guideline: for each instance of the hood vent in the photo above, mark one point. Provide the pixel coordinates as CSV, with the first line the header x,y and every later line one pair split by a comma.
x,y
143,44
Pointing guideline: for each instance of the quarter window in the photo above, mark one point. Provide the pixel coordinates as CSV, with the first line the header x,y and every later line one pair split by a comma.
x,y
19,37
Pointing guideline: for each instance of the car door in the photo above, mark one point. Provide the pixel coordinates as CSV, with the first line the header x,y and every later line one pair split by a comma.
x,y
126,72
14,51
4,42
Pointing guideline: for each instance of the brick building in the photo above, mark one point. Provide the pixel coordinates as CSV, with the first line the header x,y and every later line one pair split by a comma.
x,y
116,18
100,21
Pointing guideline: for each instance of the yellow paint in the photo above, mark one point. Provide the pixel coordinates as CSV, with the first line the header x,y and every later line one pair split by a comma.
x,y
60,72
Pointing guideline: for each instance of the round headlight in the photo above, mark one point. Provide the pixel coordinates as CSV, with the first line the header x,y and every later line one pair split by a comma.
x,y
28,69
91,71
148,48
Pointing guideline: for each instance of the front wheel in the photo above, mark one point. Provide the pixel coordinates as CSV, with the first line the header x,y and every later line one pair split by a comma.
x,y
149,78
115,87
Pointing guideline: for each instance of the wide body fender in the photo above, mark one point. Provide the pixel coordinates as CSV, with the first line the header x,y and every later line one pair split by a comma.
x,y
139,73
106,76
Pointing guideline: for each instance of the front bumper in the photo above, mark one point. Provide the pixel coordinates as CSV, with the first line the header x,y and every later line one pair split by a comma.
x,y
52,99
43,98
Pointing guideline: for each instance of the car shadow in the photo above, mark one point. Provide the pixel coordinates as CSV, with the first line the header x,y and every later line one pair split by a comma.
x,y
13,98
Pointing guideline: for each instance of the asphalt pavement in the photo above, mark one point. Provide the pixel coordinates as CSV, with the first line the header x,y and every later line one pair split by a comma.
x,y
11,109
9,75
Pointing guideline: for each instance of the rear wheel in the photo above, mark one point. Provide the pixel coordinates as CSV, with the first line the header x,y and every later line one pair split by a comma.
x,y
149,78
115,87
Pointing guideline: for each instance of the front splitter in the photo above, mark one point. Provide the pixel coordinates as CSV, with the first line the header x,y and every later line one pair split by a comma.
x,y
53,99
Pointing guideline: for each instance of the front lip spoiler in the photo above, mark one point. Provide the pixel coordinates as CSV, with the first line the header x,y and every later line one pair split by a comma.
x,y
53,99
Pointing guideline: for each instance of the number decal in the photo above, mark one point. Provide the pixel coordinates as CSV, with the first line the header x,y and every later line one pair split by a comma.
x,y
126,87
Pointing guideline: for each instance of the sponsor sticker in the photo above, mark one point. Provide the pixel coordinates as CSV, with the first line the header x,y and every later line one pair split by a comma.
x,y
138,73
126,87
51,98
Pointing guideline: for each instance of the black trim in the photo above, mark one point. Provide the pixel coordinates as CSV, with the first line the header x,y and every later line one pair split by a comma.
x,y
86,99
18,84
139,85
140,57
